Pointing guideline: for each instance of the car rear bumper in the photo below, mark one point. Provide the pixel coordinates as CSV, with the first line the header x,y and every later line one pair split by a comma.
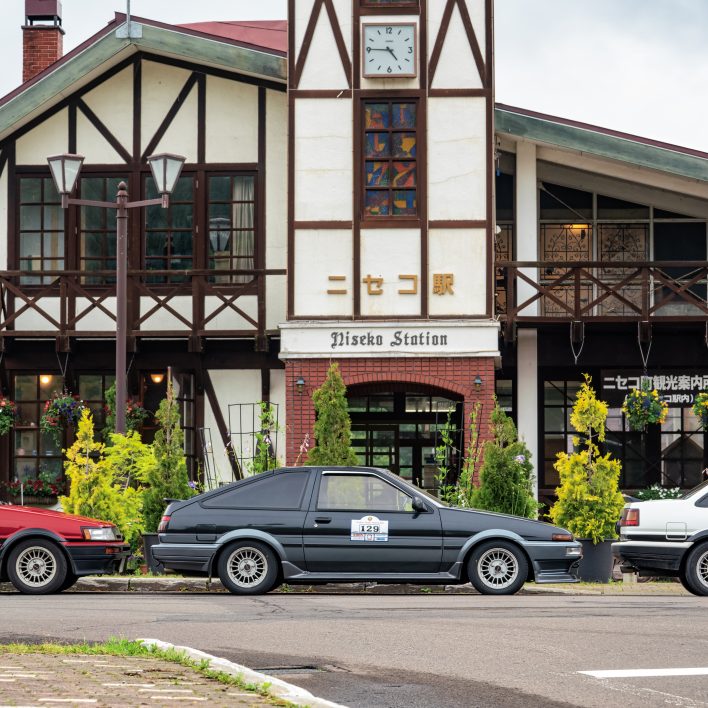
x,y
184,556
98,558
651,557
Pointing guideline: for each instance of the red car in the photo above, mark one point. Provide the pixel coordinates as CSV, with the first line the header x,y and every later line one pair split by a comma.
x,y
44,551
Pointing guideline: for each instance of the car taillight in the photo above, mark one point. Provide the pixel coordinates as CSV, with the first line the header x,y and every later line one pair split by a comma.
x,y
630,517
164,523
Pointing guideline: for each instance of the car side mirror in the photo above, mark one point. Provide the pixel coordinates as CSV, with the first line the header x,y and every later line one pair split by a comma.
x,y
419,505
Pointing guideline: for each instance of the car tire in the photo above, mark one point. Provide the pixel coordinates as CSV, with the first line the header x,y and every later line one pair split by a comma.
x,y
497,568
69,581
248,568
695,572
37,567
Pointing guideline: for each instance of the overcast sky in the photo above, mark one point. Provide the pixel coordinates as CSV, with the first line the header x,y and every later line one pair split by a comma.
x,y
640,66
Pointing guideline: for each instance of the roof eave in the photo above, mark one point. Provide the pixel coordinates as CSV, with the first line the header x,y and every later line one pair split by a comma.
x,y
586,140
59,82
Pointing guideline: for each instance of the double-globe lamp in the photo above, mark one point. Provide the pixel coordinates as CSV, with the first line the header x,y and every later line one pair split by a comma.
x,y
165,169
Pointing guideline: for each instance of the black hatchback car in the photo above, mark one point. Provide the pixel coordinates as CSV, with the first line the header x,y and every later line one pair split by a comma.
x,y
324,525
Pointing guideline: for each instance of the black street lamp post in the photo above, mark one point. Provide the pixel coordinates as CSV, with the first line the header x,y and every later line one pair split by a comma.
x,y
166,169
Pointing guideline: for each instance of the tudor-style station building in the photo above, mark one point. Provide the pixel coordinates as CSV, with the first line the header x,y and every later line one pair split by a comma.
x,y
350,194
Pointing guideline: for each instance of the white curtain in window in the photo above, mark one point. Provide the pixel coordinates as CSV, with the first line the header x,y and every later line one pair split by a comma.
x,y
242,242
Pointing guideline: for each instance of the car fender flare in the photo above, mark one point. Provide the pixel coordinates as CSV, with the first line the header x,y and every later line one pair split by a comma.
x,y
247,535
13,540
698,537
491,535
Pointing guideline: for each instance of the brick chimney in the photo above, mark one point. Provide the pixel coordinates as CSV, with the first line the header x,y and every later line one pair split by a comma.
x,y
42,36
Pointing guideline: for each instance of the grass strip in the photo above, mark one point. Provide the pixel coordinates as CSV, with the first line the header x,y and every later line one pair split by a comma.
x,y
116,646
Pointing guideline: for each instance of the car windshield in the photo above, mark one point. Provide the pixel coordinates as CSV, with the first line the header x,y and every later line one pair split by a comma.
x,y
416,490
696,490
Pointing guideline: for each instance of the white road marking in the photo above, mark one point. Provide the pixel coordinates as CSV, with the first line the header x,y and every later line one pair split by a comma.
x,y
78,661
68,700
15,674
645,673
8,680
119,685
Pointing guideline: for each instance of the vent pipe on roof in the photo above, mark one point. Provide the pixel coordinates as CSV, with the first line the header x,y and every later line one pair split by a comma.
x,y
42,36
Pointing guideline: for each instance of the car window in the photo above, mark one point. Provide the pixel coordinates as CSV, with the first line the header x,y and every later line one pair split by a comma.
x,y
361,492
280,491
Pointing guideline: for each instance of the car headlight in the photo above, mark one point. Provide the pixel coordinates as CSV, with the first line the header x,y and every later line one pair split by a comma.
x,y
106,533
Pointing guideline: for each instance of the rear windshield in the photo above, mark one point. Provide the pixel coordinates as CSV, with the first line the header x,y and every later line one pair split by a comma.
x,y
702,487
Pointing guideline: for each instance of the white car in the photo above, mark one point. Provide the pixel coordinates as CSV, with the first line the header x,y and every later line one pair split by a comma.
x,y
667,537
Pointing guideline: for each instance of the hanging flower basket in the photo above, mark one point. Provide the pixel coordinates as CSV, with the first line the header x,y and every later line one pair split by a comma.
x,y
135,413
61,411
643,406
700,409
8,412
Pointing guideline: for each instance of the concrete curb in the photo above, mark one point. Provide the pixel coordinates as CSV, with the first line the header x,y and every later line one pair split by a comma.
x,y
276,686
171,584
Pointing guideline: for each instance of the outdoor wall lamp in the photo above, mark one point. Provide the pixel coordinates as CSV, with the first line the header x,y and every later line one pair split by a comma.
x,y
157,378
478,382
165,169
300,385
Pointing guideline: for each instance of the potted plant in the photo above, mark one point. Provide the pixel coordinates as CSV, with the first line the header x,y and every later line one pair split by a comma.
x,y
589,501
643,406
135,414
62,410
700,409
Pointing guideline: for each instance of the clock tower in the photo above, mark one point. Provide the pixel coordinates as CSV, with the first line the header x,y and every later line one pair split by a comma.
x,y
391,165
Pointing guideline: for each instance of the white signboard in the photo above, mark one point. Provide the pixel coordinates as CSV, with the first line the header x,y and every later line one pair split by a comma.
x,y
369,528
409,339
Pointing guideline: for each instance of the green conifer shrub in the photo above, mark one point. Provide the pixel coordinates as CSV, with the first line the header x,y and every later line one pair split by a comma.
x,y
506,476
333,434
167,478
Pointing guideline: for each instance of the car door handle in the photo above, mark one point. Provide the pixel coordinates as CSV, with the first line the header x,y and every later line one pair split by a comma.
x,y
323,519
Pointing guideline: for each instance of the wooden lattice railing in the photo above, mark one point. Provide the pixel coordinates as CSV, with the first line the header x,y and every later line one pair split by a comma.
x,y
200,303
601,291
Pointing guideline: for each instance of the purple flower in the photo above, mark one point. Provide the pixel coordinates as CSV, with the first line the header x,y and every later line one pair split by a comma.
x,y
520,459
192,484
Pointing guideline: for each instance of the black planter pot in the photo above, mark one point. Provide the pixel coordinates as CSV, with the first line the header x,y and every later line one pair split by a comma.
x,y
597,562
154,566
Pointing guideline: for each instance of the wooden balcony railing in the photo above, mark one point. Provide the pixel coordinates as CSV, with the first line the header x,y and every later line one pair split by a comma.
x,y
601,291
194,304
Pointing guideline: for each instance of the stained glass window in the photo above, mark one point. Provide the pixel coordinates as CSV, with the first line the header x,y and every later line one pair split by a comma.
x,y
390,158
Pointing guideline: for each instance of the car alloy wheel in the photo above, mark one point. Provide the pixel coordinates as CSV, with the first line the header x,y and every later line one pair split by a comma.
x,y
248,568
695,573
497,568
37,567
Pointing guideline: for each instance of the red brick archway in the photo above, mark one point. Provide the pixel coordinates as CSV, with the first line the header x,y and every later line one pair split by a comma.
x,y
455,375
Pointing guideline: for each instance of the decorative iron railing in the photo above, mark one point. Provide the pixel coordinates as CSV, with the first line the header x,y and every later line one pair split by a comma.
x,y
601,291
160,303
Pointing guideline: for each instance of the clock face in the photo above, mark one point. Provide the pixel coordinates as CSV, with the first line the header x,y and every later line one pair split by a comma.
x,y
389,50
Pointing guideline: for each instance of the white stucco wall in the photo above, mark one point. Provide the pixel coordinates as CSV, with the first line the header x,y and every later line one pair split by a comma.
x,y
232,120
323,160
3,220
461,252
388,253
112,102
312,272
48,138
457,158
92,145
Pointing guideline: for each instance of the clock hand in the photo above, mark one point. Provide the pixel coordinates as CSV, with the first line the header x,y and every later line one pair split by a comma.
x,y
388,49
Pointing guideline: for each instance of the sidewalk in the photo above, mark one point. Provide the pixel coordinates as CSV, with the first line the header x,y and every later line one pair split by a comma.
x,y
147,672
137,584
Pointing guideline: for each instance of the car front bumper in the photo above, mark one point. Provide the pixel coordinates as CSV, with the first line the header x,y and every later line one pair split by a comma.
x,y
651,557
98,558
556,561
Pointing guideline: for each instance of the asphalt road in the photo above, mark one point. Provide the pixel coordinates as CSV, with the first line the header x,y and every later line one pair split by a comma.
x,y
412,650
